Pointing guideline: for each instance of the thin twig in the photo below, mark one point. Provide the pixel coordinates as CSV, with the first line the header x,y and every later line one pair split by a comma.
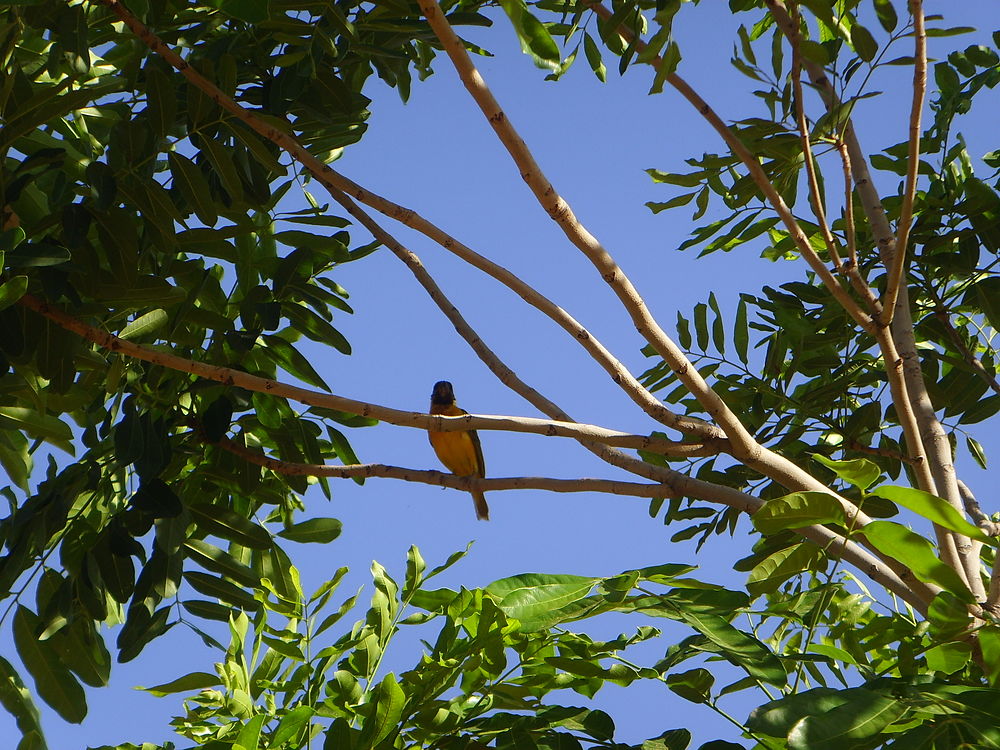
x,y
815,197
442,479
851,268
898,265
560,212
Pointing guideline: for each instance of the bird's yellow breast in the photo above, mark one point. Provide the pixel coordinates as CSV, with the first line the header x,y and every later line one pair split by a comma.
x,y
456,451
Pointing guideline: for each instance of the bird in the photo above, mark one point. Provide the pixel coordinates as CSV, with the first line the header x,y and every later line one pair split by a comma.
x,y
460,450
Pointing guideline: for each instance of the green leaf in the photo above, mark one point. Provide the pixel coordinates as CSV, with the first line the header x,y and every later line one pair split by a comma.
x,y
192,184
694,685
594,58
536,41
859,472
389,700
293,361
886,14
230,525
145,324
741,331
534,598
212,558
917,554
863,42
701,325
865,714
668,64
989,641
54,682
934,508
313,530
976,450
189,682
12,290
16,699
948,658
775,569
292,725
672,739
797,510
43,426
249,736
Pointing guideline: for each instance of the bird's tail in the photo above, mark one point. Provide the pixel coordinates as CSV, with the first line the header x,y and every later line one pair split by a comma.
x,y
482,509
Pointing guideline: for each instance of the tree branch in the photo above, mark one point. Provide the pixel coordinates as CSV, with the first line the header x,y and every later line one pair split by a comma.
x,y
618,372
418,420
784,471
898,265
917,594
932,434
560,212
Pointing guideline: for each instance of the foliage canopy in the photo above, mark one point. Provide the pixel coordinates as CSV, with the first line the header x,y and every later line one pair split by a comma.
x,y
156,286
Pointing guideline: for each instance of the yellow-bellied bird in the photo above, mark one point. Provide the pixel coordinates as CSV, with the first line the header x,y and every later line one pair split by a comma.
x,y
458,450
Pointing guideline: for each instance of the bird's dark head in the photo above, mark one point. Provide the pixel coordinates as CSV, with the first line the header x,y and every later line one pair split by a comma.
x,y
443,393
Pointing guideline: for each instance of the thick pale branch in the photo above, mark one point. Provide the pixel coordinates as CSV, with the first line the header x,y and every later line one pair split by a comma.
x,y
898,265
618,372
744,447
932,434
562,214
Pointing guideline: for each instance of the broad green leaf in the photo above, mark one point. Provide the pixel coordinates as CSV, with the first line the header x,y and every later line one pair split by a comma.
x,y
532,597
989,642
292,725
315,530
16,699
694,685
976,449
144,324
593,55
38,425
192,184
212,558
12,290
915,553
293,361
780,566
864,714
672,739
738,647
188,683
536,41
797,510
934,508
776,718
230,525
859,472
249,735
388,700
863,42
415,567
948,657
54,682
886,14
218,587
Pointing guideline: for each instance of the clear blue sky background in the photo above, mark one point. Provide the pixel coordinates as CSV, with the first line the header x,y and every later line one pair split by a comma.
x,y
439,156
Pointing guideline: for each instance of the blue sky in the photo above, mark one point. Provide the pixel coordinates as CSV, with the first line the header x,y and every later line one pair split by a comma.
x,y
437,155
